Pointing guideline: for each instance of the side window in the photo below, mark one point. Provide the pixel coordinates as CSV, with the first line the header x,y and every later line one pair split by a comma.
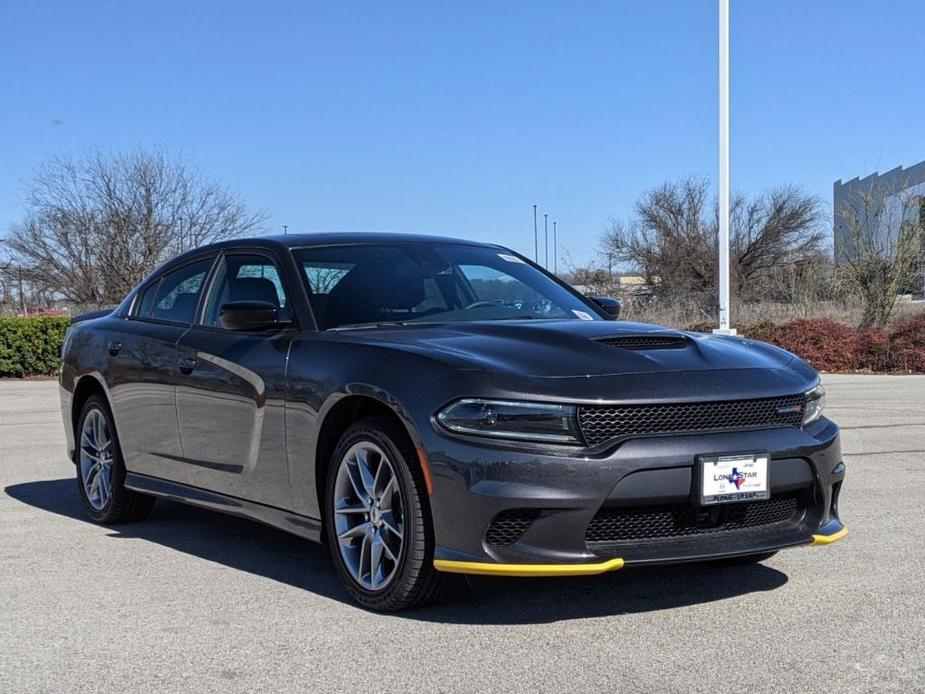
x,y
145,300
245,278
178,293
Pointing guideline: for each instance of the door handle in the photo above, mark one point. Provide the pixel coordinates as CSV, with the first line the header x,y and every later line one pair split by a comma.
x,y
187,364
114,347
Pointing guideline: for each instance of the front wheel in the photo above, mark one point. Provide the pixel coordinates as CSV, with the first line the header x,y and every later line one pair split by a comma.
x,y
377,519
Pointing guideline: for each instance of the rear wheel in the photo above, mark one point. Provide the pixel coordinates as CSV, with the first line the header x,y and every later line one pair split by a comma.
x,y
100,469
377,519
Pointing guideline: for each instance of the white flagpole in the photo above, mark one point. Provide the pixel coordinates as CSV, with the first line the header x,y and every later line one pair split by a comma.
x,y
724,309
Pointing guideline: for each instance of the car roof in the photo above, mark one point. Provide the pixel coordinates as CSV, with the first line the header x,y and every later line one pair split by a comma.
x,y
332,238
362,237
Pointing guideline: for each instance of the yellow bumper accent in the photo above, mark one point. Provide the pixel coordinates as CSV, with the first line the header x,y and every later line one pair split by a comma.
x,y
829,539
488,569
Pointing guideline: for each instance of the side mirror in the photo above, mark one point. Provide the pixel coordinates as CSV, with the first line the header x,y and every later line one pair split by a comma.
x,y
249,315
610,305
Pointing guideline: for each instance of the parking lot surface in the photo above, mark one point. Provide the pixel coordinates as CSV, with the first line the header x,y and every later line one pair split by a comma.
x,y
194,601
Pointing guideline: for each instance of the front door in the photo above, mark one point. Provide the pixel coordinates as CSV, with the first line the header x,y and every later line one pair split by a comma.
x,y
232,388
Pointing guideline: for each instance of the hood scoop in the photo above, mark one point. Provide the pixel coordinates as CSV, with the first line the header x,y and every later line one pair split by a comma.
x,y
646,341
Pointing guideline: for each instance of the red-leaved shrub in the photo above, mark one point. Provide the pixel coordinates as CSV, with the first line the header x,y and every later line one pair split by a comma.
x,y
874,352
831,346
765,331
907,344
825,344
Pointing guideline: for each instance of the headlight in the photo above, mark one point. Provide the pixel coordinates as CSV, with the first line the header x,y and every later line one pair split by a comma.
x,y
815,403
504,419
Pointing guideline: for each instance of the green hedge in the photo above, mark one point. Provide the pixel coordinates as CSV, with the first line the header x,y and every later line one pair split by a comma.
x,y
31,346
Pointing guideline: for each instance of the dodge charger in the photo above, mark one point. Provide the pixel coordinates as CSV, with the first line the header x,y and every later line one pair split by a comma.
x,y
429,406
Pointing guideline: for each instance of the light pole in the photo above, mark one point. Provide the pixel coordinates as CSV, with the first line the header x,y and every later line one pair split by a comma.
x,y
555,250
546,239
536,240
724,312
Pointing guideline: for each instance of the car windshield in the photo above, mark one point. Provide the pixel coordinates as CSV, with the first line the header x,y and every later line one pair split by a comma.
x,y
367,285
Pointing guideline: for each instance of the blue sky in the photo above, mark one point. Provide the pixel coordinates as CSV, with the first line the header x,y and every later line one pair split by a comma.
x,y
455,118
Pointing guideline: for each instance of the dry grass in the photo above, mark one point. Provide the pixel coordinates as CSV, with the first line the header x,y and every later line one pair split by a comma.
x,y
685,314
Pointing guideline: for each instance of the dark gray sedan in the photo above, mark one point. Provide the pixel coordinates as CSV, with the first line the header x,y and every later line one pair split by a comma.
x,y
431,406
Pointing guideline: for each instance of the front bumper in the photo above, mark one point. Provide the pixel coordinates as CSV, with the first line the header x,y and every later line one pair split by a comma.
x,y
642,492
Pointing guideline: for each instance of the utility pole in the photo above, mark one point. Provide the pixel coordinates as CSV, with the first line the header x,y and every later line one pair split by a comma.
x,y
546,239
285,229
22,296
536,240
724,312
4,291
555,250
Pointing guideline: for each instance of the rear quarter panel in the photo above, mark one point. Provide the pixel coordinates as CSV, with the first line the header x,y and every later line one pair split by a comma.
x,y
83,355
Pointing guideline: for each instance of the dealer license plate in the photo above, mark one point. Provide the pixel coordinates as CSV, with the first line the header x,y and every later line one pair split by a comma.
x,y
731,478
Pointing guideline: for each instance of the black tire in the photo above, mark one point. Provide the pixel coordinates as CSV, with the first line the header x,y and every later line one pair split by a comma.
x,y
746,560
123,505
416,582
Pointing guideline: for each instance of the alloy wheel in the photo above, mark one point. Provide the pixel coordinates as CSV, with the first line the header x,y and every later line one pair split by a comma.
x,y
369,516
96,459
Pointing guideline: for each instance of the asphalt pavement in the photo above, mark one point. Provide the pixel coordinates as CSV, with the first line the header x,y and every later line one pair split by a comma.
x,y
192,601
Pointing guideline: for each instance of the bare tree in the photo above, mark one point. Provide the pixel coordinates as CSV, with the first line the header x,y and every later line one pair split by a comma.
x,y
672,238
98,223
323,279
880,249
804,286
592,279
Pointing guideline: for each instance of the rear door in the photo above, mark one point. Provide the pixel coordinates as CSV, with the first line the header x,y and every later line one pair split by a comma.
x,y
143,370
232,388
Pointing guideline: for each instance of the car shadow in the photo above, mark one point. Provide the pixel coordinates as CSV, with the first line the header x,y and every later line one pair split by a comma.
x,y
228,540
261,550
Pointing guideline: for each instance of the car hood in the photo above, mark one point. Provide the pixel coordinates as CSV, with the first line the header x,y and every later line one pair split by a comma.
x,y
574,348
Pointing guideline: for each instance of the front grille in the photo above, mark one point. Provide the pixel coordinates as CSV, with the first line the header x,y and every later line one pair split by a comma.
x,y
645,341
602,422
508,526
681,520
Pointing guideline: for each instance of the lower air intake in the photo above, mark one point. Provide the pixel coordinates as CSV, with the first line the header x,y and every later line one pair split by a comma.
x,y
676,521
508,526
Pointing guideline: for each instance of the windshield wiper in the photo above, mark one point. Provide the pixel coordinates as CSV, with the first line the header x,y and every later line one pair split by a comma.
x,y
519,318
361,326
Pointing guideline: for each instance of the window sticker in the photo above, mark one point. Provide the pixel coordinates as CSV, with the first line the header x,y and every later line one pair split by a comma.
x,y
509,258
582,315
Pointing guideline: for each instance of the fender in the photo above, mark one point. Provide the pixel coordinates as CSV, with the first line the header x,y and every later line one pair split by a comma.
x,y
303,432
376,393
